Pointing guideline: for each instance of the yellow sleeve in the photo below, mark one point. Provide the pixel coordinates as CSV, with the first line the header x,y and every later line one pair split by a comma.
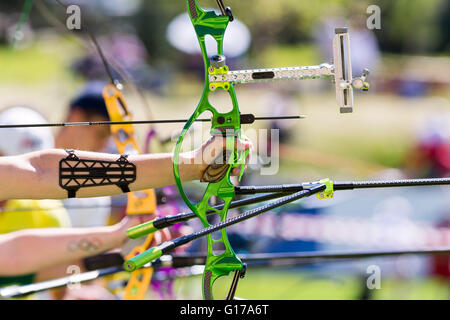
x,y
28,214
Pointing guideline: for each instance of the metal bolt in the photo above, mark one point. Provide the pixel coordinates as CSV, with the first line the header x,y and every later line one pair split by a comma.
x,y
218,61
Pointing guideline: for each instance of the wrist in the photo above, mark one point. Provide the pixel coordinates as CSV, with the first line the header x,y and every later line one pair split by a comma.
x,y
119,233
190,169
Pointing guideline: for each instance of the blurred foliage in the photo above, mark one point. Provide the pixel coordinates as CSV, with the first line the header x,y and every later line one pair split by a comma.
x,y
415,26
408,26
285,56
41,62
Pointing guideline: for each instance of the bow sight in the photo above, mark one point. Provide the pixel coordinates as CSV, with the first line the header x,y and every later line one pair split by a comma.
x,y
340,71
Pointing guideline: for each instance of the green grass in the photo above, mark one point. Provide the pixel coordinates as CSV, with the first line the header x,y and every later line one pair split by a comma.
x,y
289,56
417,289
290,285
42,62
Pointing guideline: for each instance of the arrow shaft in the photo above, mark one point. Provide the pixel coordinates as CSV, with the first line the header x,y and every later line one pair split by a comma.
x,y
253,260
113,123
278,191
343,185
180,261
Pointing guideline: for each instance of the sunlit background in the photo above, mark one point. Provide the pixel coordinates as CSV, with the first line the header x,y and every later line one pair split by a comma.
x,y
399,129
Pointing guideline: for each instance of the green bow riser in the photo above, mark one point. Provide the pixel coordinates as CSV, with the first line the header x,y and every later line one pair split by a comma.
x,y
221,259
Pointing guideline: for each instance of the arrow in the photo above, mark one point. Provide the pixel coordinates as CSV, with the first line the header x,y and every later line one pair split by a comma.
x,y
274,192
252,259
245,119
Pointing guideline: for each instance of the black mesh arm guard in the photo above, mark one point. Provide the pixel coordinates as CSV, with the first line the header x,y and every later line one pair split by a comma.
x,y
76,173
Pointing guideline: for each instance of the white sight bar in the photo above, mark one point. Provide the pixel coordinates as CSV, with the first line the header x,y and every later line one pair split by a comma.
x,y
340,71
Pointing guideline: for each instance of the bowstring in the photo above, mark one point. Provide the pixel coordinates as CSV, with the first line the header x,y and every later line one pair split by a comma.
x,y
24,16
108,62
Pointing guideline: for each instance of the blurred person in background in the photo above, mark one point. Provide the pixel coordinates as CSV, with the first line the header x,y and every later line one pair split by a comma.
x,y
25,214
440,265
23,266
34,255
430,155
131,55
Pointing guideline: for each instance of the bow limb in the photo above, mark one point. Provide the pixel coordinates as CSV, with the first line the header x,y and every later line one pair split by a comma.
x,y
142,202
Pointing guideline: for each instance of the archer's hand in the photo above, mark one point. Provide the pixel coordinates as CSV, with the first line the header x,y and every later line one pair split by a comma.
x,y
212,152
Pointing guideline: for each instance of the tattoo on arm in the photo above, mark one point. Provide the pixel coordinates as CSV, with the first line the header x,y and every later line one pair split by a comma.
x,y
86,245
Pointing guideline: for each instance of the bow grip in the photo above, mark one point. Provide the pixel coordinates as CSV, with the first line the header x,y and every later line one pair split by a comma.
x,y
216,171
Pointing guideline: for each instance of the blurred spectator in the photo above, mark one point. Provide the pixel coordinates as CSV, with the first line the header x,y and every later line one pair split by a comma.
x,y
430,156
23,140
27,214
441,263
127,51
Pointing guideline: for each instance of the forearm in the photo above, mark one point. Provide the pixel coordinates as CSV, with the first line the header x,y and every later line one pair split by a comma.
x,y
36,175
156,170
32,250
